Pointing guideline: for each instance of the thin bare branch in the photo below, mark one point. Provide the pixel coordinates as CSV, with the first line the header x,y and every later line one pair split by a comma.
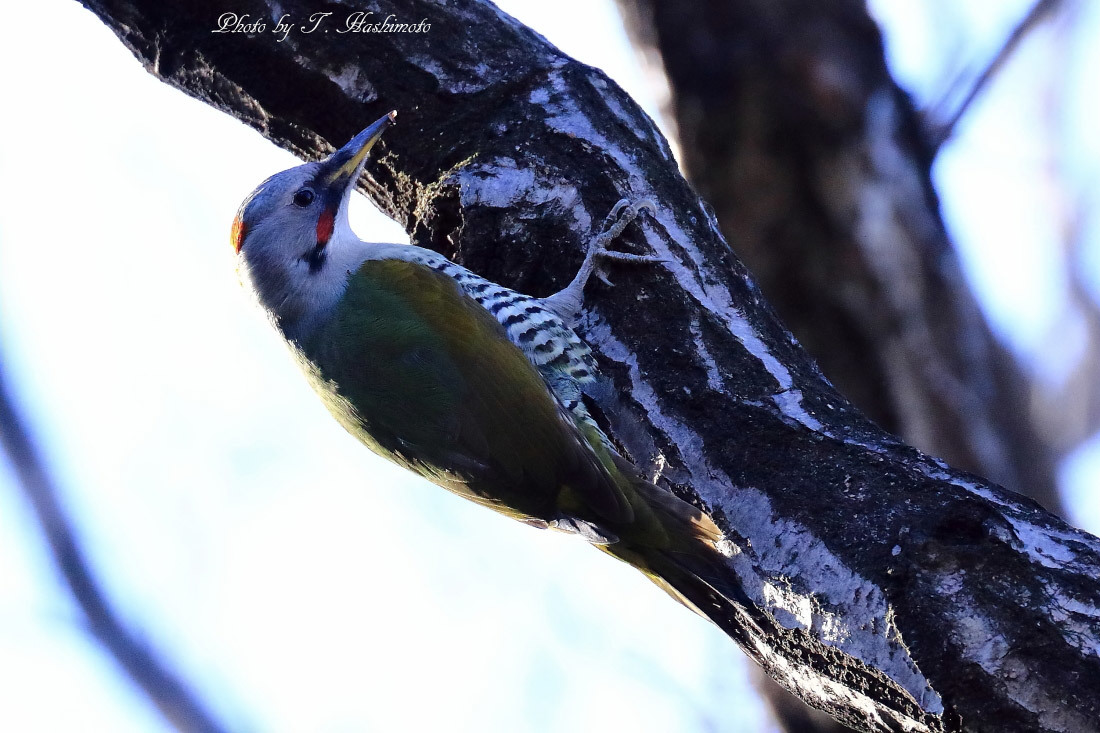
x,y
172,696
941,132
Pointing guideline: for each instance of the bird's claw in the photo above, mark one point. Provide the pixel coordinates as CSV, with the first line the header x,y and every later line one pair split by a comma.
x,y
567,302
620,217
611,254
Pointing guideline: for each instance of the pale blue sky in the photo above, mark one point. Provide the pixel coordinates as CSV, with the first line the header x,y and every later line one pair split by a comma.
x,y
302,582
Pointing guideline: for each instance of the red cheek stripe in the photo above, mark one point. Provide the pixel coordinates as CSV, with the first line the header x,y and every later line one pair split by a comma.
x,y
325,225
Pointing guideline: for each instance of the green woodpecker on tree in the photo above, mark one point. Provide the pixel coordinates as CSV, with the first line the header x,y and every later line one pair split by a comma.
x,y
473,386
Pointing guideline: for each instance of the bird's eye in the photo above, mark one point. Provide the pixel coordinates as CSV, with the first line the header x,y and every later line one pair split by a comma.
x,y
304,197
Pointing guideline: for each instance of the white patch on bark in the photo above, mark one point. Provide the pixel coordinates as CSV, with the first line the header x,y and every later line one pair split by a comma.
x,y
564,116
501,183
714,377
1049,547
651,132
834,604
812,687
790,404
707,290
1046,546
1043,546
782,566
687,440
456,81
355,83
983,642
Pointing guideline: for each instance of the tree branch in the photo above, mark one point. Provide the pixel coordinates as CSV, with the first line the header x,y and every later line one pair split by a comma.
x,y
818,169
888,589
165,689
941,130
815,163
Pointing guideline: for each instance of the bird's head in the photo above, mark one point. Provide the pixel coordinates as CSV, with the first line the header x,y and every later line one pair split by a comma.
x,y
286,229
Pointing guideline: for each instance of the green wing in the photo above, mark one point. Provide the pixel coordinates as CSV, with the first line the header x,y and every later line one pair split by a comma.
x,y
425,376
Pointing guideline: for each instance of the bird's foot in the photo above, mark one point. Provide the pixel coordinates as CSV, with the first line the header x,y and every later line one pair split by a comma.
x,y
622,214
567,302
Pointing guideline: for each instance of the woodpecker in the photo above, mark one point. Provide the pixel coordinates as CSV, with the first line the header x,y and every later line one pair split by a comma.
x,y
470,384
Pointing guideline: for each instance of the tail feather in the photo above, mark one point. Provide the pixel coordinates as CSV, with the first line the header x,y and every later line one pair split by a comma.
x,y
710,589
682,550
702,581
680,518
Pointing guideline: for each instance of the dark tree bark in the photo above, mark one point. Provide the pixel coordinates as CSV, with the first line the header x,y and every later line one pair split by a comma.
x,y
819,170
887,588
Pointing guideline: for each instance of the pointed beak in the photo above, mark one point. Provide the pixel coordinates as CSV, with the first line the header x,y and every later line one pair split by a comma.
x,y
341,170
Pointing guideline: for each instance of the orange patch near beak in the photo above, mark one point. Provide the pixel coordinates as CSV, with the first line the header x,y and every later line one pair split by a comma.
x,y
325,225
236,235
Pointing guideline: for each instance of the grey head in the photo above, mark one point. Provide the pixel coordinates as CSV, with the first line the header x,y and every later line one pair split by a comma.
x,y
292,238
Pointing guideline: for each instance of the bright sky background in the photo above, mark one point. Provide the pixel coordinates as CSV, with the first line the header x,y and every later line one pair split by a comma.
x,y
304,584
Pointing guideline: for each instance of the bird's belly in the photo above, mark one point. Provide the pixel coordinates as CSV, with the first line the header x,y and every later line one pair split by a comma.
x,y
454,475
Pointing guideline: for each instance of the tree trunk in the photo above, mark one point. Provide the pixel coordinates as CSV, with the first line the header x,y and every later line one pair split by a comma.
x,y
888,589
820,174
819,171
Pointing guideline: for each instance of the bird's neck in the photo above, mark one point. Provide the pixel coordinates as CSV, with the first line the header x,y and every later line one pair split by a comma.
x,y
310,304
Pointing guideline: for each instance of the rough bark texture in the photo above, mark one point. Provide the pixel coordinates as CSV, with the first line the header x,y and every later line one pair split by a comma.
x,y
819,171
889,589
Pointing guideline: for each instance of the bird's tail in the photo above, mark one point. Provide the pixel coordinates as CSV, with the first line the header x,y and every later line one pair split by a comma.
x,y
702,581
692,563
684,524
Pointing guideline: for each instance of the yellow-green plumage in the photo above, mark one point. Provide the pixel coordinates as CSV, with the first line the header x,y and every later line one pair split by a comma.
x,y
426,377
